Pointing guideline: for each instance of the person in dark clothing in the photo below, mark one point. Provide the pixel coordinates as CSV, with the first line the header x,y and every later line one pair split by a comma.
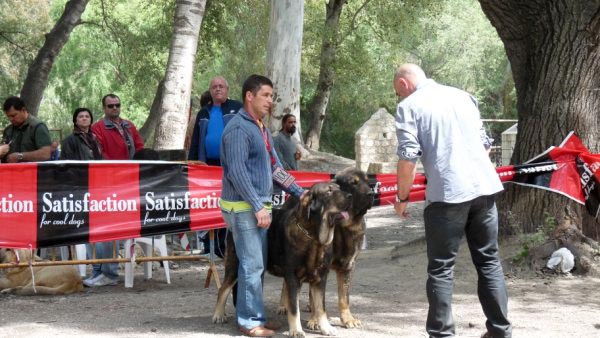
x,y
205,99
26,139
206,139
285,145
82,143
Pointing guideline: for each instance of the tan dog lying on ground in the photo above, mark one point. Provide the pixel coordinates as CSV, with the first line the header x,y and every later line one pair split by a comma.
x,y
49,280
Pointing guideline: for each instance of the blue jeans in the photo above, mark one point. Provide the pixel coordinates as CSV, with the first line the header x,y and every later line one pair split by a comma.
x,y
445,225
104,250
251,248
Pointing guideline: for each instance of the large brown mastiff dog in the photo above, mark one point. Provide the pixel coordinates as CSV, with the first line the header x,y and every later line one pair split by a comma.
x,y
49,280
300,250
349,237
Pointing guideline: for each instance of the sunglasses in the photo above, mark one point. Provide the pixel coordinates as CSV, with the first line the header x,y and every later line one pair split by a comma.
x,y
116,105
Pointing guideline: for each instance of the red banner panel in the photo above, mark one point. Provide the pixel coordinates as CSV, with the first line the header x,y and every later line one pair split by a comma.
x,y
204,187
113,201
18,205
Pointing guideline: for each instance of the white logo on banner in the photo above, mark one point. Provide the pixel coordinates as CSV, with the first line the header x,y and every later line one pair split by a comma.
x,y
10,205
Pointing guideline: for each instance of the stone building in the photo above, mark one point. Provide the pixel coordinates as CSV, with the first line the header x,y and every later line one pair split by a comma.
x,y
375,144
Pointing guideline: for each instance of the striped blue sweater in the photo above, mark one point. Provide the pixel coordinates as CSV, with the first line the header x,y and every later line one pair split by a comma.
x,y
247,170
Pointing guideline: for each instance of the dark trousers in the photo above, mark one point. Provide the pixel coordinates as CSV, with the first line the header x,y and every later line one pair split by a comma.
x,y
445,225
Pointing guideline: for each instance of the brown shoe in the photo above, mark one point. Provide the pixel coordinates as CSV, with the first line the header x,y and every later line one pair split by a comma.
x,y
257,331
275,326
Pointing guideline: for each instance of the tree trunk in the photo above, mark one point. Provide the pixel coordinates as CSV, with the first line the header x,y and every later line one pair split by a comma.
x,y
317,107
147,130
283,59
553,48
175,101
39,71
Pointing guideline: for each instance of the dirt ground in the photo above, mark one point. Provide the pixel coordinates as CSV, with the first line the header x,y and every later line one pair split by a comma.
x,y
388,295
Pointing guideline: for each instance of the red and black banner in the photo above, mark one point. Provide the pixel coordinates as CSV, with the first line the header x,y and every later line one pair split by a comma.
x,y
69,202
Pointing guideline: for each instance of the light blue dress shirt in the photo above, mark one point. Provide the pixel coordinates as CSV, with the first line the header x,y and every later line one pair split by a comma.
x,y
441,126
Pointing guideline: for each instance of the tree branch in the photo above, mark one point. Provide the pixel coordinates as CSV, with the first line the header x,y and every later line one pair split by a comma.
x,y
5,36
353,24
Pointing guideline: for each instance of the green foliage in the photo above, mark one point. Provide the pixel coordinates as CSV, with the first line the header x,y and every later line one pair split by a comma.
x,y
23,24
452,40
233,42
529,241
122,47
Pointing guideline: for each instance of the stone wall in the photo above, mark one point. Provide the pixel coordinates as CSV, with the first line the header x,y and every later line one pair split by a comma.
x,y
323,162
508,141
375,144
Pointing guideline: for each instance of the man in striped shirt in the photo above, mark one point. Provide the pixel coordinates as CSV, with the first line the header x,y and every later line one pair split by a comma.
x,y
249,159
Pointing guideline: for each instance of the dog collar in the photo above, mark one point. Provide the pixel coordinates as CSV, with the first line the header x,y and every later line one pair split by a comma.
x,y
304,231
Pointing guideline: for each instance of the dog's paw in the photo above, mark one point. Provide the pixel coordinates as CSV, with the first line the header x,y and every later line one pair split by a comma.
x,y
313,324
282,310
7,291
297,333
351,322
219,318
327,329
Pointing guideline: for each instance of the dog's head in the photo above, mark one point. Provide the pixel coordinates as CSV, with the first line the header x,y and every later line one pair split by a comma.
x,y
324,206
356,183
15,255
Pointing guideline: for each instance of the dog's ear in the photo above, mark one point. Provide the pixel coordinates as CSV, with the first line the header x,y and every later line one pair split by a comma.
x,y
305,199
304,203
316,207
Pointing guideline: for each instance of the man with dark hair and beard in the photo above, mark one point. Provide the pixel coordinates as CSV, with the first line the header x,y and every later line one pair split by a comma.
x,y
285,145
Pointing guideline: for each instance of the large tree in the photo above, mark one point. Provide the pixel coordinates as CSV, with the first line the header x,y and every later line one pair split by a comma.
x,y
318,104
39,70
175,101
283,58
553,47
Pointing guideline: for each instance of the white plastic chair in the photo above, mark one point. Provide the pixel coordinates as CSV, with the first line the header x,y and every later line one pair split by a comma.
x,y
64,255
80,253
160,243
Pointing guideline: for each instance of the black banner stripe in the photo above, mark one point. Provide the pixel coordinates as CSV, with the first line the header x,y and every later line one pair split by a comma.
x,y
165,199
62,217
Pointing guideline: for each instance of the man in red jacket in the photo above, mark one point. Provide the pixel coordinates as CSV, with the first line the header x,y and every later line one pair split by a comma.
x,y
119,141
118,137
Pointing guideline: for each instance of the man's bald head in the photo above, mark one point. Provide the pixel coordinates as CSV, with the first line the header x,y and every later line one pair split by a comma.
x,y
406,79
219,90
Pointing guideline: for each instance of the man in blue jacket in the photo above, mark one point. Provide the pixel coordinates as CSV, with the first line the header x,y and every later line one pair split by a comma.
x,y
210,121
206,139
249,160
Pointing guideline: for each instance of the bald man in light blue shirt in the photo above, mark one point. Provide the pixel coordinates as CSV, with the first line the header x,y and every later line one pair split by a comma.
x,y
441,126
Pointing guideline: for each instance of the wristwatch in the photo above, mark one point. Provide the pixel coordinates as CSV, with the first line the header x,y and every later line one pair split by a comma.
x,y
401,200
19,157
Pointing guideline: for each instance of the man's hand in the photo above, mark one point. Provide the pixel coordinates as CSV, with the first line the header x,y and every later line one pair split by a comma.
x,y
12,158
298,155
400,208
263,216
4,149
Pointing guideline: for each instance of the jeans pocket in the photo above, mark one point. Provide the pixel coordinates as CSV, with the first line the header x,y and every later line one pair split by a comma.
x,y
245,221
